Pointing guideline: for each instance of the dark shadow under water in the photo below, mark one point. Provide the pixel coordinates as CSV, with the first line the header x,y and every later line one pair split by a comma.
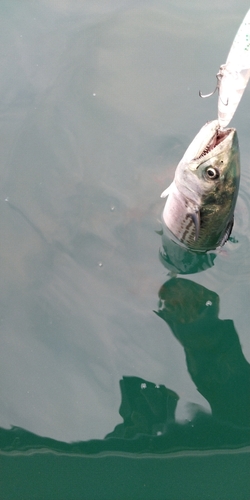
x,y
217,367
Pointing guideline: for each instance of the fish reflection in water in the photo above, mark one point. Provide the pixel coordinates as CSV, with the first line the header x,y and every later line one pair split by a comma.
x,y
213,353
217,367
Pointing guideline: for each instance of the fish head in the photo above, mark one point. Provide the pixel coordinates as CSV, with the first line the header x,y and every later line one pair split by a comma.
x,y
200,206
210,165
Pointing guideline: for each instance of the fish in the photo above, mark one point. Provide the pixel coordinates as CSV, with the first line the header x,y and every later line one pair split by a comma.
x,y
199,209
233,76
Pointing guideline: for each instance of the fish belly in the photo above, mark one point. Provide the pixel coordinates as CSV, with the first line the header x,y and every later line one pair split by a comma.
x,y
177,215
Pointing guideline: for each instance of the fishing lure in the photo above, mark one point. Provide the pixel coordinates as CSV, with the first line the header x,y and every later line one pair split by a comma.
x,y
233,76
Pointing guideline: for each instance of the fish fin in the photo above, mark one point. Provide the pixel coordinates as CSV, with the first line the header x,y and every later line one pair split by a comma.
x,y
167,191
227,233
195,216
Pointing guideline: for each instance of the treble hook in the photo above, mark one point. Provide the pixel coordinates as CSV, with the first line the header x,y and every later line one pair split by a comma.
x,y
219,77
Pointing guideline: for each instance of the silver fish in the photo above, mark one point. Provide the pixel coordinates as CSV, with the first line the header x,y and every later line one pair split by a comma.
x,y
200,204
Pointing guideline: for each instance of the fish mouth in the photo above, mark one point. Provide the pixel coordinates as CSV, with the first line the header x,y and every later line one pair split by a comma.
x,y
217,138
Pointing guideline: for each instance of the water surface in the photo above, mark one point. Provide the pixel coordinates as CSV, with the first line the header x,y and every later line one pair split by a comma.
x,y
99,100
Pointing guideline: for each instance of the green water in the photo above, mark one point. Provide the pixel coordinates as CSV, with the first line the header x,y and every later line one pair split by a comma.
x,y
117,381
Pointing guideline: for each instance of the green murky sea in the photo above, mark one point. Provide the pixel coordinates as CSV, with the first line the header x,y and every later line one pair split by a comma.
x,y
118,381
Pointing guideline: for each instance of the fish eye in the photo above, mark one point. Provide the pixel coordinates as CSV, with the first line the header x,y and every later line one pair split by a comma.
x,y
212,173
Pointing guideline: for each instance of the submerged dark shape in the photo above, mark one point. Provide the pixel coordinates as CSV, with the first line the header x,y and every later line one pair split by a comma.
x,y
146,408
217,367
200,204
213,353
